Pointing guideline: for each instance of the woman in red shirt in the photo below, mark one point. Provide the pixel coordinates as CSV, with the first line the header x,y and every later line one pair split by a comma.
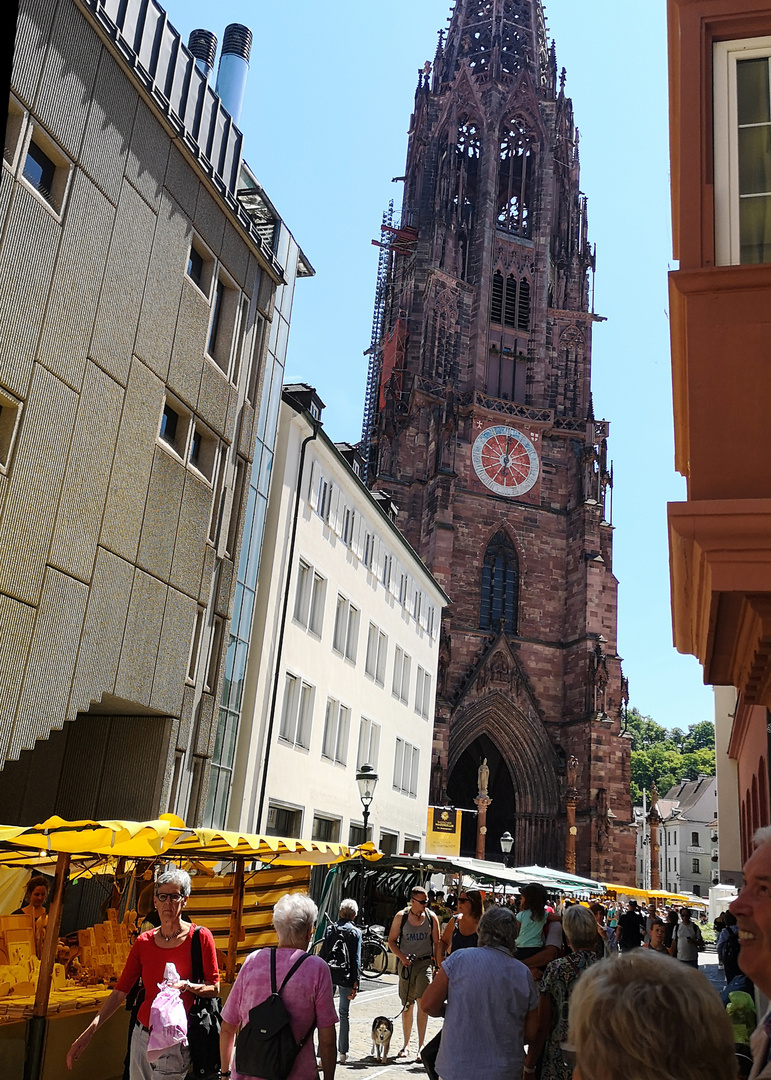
x,y
168,943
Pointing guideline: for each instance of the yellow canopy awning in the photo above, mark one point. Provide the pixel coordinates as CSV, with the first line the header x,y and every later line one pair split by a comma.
x,y
167,836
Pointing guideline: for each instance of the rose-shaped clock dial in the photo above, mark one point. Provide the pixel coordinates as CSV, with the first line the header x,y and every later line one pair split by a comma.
x,y
505,460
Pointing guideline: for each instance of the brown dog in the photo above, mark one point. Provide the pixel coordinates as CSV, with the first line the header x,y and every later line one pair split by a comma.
x,y
382,1030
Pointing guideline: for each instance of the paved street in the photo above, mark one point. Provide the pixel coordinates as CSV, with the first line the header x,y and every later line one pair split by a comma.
x,y
379,997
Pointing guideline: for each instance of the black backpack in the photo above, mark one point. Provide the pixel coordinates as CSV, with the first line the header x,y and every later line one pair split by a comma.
x,y
266,1047
731,949
336,950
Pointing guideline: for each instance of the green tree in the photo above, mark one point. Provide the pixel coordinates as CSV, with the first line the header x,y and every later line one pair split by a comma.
x,y
668,756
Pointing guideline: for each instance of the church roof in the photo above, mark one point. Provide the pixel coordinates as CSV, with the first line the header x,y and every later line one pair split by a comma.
x,y
496,38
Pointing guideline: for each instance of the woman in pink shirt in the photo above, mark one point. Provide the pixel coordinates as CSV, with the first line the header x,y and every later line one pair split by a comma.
x,y
308,995
168,943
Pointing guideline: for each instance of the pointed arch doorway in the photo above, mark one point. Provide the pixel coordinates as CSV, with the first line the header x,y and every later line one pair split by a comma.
x,y
462,789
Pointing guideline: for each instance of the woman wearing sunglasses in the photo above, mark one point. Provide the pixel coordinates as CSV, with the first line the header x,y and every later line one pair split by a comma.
x,y
461,931
171,942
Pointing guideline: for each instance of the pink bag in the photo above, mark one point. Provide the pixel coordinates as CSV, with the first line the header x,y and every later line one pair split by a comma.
x,y
168,1019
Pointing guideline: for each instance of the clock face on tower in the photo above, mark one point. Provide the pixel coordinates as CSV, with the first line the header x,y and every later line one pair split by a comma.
x,y
505,460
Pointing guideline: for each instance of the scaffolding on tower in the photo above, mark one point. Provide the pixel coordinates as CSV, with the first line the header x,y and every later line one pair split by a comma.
x,y
373,370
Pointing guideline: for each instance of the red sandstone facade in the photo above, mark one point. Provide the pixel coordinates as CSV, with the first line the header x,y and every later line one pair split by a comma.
x,y
484,435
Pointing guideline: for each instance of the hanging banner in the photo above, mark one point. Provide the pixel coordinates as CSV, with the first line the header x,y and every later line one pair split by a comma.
x,y
443,831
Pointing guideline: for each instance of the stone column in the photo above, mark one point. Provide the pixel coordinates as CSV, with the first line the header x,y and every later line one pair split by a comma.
x,y
653,820
571,798
482,802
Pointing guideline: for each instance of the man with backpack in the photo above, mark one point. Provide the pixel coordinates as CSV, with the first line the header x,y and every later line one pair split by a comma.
x,y
415,939
341,949
687,941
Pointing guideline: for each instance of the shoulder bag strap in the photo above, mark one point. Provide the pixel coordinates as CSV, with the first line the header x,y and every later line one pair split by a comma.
x,y
405,913
196,956
273,989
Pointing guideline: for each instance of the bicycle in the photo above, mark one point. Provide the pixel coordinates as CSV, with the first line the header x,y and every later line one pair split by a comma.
x,y
374,954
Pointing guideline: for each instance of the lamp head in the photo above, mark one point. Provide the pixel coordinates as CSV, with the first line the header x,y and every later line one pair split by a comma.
x,y
507,842
367,780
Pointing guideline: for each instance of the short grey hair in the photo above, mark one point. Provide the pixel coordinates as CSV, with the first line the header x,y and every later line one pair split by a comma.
x,y
293,918
349,909
498,928
762,836
580,927
177,877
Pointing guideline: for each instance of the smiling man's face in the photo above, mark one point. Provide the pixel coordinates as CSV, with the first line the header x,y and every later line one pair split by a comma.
x,y
752,908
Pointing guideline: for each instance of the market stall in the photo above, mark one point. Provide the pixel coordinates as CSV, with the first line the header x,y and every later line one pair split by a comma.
x,y
70,989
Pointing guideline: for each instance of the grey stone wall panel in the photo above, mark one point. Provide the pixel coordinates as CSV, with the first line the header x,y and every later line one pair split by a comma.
x,y
108,128
33,28
173,656
67,80
204,732
121,299
51,661
209,560
103,630
6,187
161,520
132,466
189,344
141,640
30,510
77,279
147,156
235,254
213,397
87,477
191,540
26,266
132,781
182,181
246,434
209,220
160,306
17,621
224,588
186,718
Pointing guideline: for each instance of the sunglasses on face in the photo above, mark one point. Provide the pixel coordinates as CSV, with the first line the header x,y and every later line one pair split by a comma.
x,y
420,900
175,897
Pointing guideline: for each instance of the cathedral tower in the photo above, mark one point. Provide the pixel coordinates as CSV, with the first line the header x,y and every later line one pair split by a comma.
x,y
479,424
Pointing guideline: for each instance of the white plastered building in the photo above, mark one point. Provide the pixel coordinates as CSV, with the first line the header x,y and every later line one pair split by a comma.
x,y
343,657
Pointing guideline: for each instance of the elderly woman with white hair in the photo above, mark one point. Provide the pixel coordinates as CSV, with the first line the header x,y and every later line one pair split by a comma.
x,y
492,1004
560,976
171,942
307,994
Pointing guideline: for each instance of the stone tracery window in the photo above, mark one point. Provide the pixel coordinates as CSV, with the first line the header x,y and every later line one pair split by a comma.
x,y
516,175
500,585
510,301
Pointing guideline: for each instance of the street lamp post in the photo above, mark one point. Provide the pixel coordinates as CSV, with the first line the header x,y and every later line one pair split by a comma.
x,y
366,778
507,842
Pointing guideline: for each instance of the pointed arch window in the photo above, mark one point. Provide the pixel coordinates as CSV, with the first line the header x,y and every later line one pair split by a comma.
x,y
523,305
468,147
516,175
510,310
500,585
496,302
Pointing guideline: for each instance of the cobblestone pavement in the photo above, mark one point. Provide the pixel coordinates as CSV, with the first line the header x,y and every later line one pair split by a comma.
x,y
380,997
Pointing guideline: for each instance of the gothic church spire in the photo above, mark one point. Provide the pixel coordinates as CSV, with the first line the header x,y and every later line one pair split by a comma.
x,y
497,38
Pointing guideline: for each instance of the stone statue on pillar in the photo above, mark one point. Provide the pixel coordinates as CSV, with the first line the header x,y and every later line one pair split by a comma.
x,y
654,818
482,802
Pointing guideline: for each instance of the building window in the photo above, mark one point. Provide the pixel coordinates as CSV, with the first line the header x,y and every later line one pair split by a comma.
x,y
349,521
401,681
222,327
356,835
369,743
336,728
496,298
46,170
406,764
695,867
369,550
695,839
742,105
423,693
203,451
10,412
411,846
195,646
309,598
389,842
345,639
500,586
377,648
516,174
387,568
297,712
200,265
284,820
326,829
174,427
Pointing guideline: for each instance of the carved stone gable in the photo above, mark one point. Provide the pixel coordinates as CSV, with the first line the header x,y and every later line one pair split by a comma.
x,y
499,672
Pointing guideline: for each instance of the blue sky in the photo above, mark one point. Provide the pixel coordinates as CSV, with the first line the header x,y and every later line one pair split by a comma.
x,y
325,120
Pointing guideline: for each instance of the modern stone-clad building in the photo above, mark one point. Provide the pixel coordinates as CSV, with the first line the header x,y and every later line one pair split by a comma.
x,y
146,284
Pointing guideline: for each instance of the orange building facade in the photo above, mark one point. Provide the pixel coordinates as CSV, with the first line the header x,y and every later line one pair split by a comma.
x,y
720,310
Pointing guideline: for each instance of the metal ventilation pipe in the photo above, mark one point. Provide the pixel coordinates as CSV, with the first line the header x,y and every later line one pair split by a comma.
x,y
203,45
233,69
